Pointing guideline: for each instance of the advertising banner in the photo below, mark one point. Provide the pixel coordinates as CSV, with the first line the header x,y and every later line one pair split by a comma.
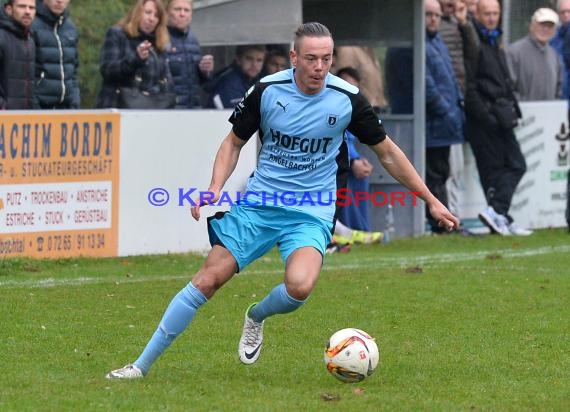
x,y
59,184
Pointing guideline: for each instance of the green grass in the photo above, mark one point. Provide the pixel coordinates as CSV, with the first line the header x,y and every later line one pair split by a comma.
x,y
478,323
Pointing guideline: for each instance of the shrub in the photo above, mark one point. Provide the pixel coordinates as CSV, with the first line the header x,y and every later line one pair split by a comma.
x,y
92,19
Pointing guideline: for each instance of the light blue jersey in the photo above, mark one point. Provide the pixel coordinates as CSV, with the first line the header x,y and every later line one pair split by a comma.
x,y
302,140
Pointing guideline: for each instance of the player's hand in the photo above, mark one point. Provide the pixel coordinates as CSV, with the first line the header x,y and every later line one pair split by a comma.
x,y
443,216
203,201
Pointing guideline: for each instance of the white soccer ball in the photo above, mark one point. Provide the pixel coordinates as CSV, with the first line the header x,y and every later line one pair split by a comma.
x,y
351,355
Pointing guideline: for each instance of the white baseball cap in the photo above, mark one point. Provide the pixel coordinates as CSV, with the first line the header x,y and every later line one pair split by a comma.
x,y
544,15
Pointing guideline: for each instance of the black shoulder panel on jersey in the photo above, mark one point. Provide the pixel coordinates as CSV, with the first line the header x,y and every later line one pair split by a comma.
x,y
364,124
340,89
246,116
277,82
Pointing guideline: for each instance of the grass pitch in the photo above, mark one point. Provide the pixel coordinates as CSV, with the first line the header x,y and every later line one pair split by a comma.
x,y
476,323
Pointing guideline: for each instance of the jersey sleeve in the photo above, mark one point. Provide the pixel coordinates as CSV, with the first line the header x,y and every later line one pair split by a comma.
x,y
246,117
364,123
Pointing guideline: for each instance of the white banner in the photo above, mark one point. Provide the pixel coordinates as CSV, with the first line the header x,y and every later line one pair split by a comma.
x,y
540,198
44,207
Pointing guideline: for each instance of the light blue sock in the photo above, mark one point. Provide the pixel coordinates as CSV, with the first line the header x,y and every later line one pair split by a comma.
x,y
176,318
278,301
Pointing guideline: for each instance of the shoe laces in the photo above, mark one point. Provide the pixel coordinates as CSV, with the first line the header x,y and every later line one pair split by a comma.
x,y
252,332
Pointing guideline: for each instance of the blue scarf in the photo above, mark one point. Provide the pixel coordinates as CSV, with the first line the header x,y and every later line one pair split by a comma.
x,y
491,36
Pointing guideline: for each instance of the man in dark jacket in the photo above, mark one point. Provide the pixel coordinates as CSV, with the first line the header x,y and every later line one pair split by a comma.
x,y
188,67
492,112
57,58
444,109
17,55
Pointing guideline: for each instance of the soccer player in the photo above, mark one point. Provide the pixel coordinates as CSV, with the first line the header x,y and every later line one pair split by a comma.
x,y
301,114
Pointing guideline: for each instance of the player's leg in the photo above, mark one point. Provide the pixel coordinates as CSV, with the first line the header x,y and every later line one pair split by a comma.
x,y
218,268
301,273
302,245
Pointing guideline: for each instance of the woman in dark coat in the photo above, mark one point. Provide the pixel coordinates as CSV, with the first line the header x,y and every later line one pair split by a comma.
x,y
135,51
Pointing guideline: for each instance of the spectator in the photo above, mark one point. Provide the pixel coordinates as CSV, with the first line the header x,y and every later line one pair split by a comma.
x,y
561,43
444,109
356,216
17,55
458,33
188,67
471,7
355,177
534,65
233,82
276,59
57,58
399,67
135,50
492,112
364,59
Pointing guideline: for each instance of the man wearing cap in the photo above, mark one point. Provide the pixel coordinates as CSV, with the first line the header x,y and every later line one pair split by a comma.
x,y
534,65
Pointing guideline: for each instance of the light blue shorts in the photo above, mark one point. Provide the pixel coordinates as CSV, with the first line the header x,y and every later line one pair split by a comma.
x,y
249,232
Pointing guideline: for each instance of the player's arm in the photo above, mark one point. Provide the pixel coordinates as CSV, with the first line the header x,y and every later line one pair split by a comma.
x,y
369,130
224,165
398,165
245,119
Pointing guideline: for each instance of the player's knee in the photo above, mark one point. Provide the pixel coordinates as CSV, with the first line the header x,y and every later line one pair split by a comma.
x,y
300,291
207,284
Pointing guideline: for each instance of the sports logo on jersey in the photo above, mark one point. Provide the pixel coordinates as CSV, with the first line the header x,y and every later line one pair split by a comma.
x,y
249,91
332,119
238,109
282,105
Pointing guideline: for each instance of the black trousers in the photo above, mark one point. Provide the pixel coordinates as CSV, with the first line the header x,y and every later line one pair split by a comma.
x,y
501,166
437,173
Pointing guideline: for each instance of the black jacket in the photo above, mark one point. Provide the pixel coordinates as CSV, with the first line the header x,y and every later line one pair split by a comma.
x,y
17,65
57,60
487,81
